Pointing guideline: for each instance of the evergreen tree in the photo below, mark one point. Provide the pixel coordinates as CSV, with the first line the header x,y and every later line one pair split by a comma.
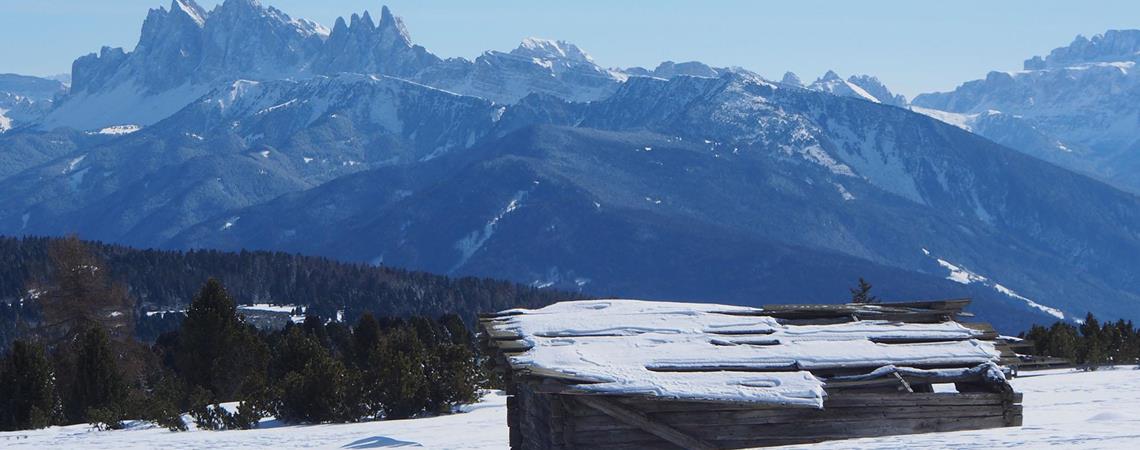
x,y
315,387
27,391
365,337
399,363
94,383
217,350
862,293
1063,341
452,377
1093,353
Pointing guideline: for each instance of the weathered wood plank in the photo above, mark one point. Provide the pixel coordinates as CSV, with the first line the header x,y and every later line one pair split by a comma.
x,y
640,420
758,417
839,400
604,439
909,379
904,399
742,437
987,331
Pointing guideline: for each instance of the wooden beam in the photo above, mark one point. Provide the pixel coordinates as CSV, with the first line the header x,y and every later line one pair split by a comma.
x,y
903,381
642,421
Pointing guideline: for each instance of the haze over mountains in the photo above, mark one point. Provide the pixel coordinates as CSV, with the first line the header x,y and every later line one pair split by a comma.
x,y
242,127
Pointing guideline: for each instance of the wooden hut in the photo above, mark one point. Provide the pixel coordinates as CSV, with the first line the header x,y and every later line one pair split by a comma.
x,y
628,374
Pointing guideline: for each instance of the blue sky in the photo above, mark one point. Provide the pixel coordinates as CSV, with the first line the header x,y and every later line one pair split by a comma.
x,y
913,46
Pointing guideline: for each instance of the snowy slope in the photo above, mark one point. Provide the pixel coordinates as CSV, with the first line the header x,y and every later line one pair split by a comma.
x,y
1063,409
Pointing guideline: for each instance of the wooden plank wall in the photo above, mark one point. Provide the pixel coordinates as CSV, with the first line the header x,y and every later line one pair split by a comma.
x,y
729,426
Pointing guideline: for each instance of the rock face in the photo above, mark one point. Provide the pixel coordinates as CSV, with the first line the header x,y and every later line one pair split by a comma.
x,y
1083,98
243,143
184,51
863,87
24,99
364,47
536,66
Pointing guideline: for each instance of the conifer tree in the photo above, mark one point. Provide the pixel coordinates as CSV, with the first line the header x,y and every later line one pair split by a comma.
x,y
452,377
94,385
862,293
400,363
27,390
81,294
318,393
217,350
365,337
1093,353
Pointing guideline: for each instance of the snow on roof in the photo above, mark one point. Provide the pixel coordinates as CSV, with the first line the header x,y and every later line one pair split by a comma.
x,y
719,352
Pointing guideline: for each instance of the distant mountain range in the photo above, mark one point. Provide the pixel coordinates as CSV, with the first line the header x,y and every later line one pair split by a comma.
x,y
242,127
1076,107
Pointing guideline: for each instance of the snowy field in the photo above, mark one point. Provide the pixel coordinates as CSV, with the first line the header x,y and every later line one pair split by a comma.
x,y
1063,409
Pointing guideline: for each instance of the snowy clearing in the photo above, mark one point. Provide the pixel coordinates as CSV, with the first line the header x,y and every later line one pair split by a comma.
x,y
117,130
483,426
1063,409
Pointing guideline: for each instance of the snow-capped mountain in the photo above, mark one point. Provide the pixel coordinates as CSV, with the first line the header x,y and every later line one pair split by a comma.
x,y
670,69
543,66
243,143
1076,107
25,98
242,127
184,51
864,87
616,195
362,46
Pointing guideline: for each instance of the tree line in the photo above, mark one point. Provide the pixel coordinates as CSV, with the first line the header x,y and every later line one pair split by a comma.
x,y
81,362
166,280
1089,344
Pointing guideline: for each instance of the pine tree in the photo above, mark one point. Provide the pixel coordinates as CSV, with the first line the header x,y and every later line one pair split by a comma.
x,y
365,337
94,385
1063,341
27,390
217,350
315,387
862,293
399,362
1093,352
452,377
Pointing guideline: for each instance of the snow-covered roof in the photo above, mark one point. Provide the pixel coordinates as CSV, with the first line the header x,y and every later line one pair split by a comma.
x,y
718,352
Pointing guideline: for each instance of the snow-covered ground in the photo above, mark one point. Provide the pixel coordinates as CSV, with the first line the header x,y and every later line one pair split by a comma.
x,y
482,426
1063,409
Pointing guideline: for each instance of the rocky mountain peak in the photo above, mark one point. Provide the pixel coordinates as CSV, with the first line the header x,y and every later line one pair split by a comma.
x,y
830,76
791,78
876,88
670,69
1110,46
551,50
190,10
392,29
